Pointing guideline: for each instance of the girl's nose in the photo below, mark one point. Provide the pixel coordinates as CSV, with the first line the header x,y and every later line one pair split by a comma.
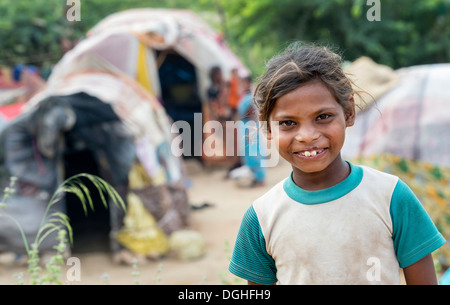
x,y
307,134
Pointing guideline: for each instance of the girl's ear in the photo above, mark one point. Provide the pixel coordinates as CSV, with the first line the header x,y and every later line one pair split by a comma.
x,y
350,112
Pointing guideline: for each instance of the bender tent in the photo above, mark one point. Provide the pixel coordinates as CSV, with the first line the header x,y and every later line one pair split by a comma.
x,y
411,120
406,132
168,52
72,132
107,108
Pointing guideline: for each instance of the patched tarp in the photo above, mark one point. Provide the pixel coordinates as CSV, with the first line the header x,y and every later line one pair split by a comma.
x,y
411,120
115,80
405,131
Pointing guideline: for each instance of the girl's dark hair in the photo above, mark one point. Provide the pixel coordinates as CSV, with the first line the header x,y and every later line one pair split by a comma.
x,y
298,64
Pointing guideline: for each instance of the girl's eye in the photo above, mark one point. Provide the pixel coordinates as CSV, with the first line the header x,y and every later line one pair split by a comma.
x,y
287,123
323,117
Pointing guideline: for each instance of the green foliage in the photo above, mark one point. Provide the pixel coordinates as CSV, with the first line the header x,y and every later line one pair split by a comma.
x,y
30,30
409,33
33,32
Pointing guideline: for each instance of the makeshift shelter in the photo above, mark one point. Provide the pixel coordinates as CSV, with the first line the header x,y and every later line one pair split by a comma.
x,y
168,52
107,109
71,132
405,132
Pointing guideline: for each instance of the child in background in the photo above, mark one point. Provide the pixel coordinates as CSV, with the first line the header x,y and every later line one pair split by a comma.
x,y
249,140
330,221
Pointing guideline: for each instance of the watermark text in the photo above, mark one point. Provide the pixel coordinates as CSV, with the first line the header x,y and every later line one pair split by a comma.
x,y
374,12
74,10
219,139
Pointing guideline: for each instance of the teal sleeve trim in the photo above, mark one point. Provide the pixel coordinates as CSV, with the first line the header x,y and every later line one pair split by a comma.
x,y
250,259
414,233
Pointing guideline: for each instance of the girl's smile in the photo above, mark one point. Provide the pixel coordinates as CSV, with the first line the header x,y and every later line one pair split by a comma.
x,y
309,125
313,153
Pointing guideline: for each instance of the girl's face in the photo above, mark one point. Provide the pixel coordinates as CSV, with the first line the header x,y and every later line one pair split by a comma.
x,y
310,130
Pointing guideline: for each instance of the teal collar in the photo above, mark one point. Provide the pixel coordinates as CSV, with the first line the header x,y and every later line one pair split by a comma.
x,y
329,194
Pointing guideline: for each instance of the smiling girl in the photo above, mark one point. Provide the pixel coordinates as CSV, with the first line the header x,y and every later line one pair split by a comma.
x,y
330,221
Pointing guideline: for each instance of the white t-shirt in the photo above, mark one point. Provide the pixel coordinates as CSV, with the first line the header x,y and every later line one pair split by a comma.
x,y
360,231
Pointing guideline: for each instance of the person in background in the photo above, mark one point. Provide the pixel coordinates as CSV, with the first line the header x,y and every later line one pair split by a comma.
x,y
248,136
217,95
234,93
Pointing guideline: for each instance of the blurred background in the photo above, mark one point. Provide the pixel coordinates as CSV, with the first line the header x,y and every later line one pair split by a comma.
x,y
34,34
93,87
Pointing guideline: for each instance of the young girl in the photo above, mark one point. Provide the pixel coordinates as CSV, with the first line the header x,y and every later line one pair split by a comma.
x,y
330,221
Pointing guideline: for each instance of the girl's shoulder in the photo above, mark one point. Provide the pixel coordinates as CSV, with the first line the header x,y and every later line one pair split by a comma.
x,y
374,175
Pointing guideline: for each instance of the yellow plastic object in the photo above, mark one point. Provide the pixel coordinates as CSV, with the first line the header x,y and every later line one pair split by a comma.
x,y
141,234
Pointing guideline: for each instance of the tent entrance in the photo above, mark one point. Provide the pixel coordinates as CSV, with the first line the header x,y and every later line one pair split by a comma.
x,y
179,89
91,230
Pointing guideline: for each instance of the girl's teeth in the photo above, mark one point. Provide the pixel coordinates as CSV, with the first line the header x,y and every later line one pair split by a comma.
x,y
309,153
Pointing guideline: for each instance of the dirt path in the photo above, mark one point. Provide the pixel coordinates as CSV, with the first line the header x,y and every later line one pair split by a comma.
x,y
217,224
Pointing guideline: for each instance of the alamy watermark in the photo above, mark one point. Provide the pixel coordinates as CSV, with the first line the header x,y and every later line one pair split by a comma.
x,y
374,12
373,274
217,139
74,10
73,273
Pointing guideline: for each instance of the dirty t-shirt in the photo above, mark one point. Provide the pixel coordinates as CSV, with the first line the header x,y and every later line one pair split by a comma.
x,y
360,231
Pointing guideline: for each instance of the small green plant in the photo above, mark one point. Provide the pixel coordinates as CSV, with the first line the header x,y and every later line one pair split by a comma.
x,y
105,278
135,273
58,222
158,274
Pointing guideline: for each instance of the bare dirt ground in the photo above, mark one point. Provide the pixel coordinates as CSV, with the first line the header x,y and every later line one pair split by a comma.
x,y
218,224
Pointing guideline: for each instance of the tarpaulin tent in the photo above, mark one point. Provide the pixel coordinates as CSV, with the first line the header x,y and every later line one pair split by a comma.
x,y
406,132
168,52
108,106
123,136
